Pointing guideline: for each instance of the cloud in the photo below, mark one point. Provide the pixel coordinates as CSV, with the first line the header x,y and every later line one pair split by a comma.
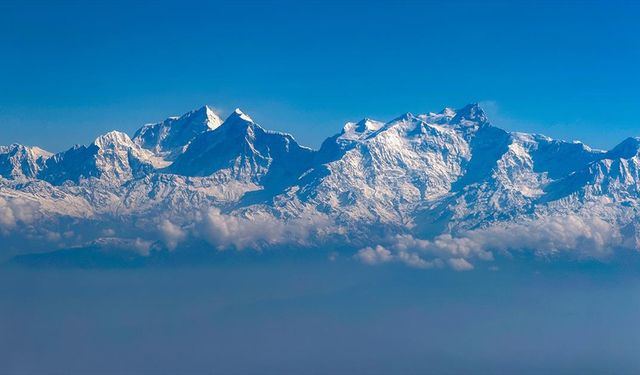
x,y
374,255
171,234
589,237
109,232
262,230
7,219
581,237
380,255
16,210
22,228
138,245
445,245
413,260
460,264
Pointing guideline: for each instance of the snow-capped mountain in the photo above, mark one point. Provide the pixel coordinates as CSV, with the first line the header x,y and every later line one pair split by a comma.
x,y
113,157
171,137
18,161
240,149
426,190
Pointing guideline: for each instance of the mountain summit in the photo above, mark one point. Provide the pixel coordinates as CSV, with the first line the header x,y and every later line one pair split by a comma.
x,y
18,161
242,150
171,137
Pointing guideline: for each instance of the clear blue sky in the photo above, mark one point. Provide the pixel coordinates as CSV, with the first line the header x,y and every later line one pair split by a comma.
x,y
70,71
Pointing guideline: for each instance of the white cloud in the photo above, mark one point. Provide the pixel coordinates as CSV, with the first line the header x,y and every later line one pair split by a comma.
x,y
51,236
171,234
226,231
415,261
588,237
579,236
460,264
138,245
380,255
16,210
109,232
142,246
7,219
374,255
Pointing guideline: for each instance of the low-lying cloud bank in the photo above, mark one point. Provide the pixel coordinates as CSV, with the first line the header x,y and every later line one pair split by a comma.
x,y
22,227
573,235
581,237
227,231
223,231
16,211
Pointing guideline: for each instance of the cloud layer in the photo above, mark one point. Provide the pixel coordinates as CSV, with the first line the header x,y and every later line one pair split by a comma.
x,y
226,231
15,211
577,236
589,237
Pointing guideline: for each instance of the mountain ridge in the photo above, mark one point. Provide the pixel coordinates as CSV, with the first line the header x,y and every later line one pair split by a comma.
x,y
435,177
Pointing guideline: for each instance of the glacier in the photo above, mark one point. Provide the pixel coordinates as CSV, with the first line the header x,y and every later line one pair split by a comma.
x,y
434,190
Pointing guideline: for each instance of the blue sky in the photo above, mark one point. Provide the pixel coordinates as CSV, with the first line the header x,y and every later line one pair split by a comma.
x,y
70,71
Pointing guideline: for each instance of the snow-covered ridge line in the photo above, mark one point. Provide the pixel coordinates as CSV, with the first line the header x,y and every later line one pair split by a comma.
x,y
427,190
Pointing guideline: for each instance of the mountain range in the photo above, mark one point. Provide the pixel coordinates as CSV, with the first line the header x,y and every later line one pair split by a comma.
x,y
446,189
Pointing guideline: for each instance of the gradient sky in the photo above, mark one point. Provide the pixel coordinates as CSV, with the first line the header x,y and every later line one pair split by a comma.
x,y
70,71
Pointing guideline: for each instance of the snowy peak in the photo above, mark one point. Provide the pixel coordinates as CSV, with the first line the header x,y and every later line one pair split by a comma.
x,y
238,115
406,117
241,150
447,112
470,114
112,157
556,158
203,115
113,139
119,159
31,151
432,130
626,149
442,117
18,161
169,138
368,125
237,124
361,129
213,121
615,174
387,175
